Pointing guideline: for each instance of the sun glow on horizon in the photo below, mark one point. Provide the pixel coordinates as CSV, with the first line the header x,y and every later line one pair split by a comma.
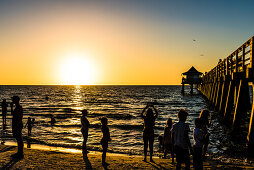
x,y
77,69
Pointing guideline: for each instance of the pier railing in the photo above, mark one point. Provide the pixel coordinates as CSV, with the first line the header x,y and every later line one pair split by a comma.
x,y
226,87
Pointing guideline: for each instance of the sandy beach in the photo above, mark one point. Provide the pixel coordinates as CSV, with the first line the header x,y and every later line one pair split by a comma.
x,y
52,159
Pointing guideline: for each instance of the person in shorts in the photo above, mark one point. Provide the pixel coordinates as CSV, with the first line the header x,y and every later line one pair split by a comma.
x,y
17,125
182,143
148,132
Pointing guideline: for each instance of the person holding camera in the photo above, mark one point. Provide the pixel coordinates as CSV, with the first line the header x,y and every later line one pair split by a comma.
x,y
148,132
17,125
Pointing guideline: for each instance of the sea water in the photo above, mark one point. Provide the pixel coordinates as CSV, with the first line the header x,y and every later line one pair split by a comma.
x,y
122,105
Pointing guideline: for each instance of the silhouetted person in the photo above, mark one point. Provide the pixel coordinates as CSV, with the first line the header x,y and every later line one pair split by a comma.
x,y
148,132
105,139
4,112
168,139
84,129
198,137
29,125
17,125
52,120
161,144
182,143
205,116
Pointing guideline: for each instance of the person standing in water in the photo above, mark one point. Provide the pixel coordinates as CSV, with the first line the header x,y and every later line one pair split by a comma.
x,y
168,140
17,125
105,139
84,129
205,120
148,132
29,125
4,112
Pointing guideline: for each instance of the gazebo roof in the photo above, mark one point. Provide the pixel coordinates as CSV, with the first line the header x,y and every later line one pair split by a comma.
x,y
192,70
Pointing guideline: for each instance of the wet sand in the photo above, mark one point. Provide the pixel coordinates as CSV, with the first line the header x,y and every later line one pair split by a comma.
x,y
52,159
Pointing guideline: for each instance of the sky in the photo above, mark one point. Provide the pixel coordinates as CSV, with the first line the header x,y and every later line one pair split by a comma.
x,y
130,42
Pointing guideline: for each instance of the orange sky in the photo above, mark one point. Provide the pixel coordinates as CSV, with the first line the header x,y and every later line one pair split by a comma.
x,y
115,45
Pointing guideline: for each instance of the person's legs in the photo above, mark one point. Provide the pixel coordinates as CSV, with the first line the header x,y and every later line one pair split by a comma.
x,y
205,146
84,149
4,121
172,153
186,158
105,148
20,143
165,150
179,153
199,159
145,138
195,162
151,140
29,132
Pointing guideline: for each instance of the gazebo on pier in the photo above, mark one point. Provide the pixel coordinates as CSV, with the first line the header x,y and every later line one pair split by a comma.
x,y
191,77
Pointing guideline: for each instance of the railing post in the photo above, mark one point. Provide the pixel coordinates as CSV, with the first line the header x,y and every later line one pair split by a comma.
x,y
237,61
243,57
250,137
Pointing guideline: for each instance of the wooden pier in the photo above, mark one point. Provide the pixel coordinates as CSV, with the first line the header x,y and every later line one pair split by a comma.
x,y
226,87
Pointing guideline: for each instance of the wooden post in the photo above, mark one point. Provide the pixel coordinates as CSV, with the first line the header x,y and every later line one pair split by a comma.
x,y
237,61
250,136
224,94
241,103
191,86
182,88
243,58
230,101
218,97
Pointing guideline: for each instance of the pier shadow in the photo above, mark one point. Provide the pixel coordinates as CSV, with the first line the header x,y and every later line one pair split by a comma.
x,y
10,164
87,163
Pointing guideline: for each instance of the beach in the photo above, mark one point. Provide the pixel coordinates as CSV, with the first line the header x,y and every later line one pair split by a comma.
x,y
53,159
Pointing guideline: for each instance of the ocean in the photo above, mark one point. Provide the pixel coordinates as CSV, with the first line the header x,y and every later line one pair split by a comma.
x,y
122,106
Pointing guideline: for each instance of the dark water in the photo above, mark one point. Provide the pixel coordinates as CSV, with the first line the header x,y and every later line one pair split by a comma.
x,y
121,104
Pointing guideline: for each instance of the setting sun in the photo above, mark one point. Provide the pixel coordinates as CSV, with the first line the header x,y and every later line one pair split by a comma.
x,y
77,69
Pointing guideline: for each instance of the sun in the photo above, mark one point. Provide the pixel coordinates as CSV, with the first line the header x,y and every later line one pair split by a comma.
x,y
77,69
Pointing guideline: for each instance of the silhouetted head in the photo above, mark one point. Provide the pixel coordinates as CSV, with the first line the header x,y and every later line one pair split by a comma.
x,y
15,99
182,115
104,121
29,118
84,112
198,123
205,114
33,119
149,112
169,122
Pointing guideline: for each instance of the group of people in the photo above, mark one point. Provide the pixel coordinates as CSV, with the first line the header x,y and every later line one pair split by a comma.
x,y
175,139
105,135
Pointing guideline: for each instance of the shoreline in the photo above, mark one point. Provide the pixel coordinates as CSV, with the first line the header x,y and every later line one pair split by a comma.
x,y
58,158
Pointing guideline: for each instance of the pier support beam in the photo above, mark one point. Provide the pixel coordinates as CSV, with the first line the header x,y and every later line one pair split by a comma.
x,y
182,88
218,96
191,91
224,94
242,103
230,101
250,137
